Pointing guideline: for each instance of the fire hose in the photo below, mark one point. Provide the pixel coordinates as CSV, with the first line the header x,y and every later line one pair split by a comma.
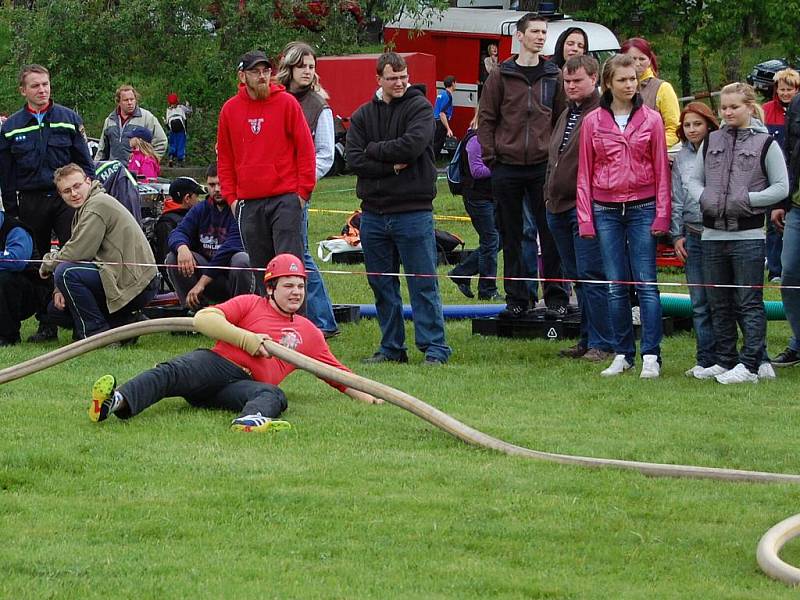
x,y
768,547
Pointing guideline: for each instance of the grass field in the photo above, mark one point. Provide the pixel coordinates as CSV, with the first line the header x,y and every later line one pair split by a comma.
x,y
369,502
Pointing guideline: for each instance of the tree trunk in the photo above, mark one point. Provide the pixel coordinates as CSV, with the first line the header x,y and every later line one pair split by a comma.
x,y
686,66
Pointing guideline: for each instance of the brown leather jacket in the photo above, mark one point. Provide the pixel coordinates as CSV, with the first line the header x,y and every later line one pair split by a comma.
x,y
516,118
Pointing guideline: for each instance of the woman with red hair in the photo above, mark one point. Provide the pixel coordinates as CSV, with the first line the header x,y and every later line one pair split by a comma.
x,y
656,93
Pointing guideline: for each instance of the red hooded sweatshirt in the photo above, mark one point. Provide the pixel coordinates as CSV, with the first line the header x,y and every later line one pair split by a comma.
x,y
264,147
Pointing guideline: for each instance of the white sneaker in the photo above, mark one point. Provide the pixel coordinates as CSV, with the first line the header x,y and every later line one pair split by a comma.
x,y
738,374
765,371
650,367
710,372
693,371
618,365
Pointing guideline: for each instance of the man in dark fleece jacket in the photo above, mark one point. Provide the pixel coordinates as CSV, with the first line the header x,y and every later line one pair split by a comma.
x,y
580,258
208,236
389,148
521,101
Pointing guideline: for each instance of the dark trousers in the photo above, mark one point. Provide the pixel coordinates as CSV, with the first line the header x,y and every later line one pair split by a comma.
x,y
741,263
482,261
225,284
511,186
439,137
86,299
205,380
270,226
19,300
45,212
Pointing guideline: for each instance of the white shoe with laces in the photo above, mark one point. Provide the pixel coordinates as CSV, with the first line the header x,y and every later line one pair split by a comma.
x,y
765,371
710,372
738,374
650,367
693,371
618,365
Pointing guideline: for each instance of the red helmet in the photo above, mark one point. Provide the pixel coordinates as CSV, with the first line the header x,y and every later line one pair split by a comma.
x,y
284,265
172,98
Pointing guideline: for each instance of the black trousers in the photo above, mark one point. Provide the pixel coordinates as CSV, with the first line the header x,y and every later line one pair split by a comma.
x,y
270,226
439,137
205,380
511,185
19,299
45,212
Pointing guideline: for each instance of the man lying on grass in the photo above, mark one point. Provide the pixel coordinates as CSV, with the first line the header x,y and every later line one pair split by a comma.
x,y
237,374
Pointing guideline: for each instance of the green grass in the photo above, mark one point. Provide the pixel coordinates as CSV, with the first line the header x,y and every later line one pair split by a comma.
x,y
370,502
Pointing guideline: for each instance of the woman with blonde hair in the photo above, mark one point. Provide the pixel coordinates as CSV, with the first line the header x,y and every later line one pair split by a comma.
x,y
298,73
738,174
623,198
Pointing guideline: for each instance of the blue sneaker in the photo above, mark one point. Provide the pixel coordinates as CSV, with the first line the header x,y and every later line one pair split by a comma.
x,y
250,423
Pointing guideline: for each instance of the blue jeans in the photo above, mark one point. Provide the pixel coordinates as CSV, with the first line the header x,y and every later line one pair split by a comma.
x,y
177,145
482,261
86,299
790,258
318,303
404,238
741,263
774,250
626,242
581,259
701,311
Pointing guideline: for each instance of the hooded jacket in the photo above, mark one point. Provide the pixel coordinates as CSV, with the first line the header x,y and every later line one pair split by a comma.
x,y
562,167
624,166
686,214
384,134
115,137
105,232
739,174
264,147
516,118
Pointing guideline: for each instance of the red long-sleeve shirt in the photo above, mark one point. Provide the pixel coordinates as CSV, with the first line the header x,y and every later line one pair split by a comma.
x,y
256,314
264,147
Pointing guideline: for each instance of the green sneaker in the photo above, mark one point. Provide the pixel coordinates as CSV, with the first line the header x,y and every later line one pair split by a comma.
x,y
102,398
257,423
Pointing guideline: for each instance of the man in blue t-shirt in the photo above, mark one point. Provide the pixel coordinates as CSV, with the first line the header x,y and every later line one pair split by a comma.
x,y
442,113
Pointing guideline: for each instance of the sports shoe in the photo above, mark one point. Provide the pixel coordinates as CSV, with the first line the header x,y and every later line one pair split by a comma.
x,y
432,361
765,371
103,402
575,351
557,311
710,372
380,357
738,374
775,279
787,358
618,365
257,423
693,371
331,334
597,355
45,333
650,367
496,297
462,285
513,311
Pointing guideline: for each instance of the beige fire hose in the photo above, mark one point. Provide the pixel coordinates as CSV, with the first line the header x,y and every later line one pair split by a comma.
x,y
768,548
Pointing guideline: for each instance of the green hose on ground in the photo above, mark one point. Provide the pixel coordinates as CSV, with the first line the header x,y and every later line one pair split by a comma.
x,y
679,305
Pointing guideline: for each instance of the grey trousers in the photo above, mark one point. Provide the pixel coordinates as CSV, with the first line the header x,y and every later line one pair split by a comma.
x,y
226,284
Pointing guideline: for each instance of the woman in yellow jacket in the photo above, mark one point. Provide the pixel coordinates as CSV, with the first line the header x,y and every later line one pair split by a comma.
x,y
656,93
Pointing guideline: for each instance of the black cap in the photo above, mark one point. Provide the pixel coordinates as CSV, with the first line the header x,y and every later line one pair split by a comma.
x,y
182,186
251,59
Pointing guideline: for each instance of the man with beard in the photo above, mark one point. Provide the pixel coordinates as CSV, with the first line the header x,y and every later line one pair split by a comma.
x,y
208,237
266,161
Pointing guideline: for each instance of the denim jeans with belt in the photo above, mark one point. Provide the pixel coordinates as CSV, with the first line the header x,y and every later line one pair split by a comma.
x,y
482,261
625,239
389,240
790,259
582,259
701,311
741,263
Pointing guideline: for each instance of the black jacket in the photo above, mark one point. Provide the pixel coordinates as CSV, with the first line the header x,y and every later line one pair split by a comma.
x,y
792,142
30,153
382,135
